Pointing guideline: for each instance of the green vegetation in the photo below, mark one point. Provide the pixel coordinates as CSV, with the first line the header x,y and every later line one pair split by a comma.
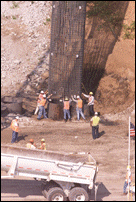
x,y
107,11
48,19
14,17
129,31
15,5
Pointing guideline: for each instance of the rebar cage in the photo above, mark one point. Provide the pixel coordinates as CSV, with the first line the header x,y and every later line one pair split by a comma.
x,y
66,47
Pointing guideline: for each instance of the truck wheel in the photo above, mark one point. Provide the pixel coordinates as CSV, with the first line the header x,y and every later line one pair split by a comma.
x,y
44,191
78,194
46,186
56,194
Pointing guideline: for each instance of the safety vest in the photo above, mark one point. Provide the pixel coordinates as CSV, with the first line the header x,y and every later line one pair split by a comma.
x,y
66,105
79,103
40,96
14,125
30,146
128,177
42,102
95,120
43,146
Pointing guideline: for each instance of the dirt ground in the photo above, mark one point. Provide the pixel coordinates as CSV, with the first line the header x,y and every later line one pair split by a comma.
x,y
110,151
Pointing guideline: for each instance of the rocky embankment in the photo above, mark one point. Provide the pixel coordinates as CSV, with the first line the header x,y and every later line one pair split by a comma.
x,y
25,47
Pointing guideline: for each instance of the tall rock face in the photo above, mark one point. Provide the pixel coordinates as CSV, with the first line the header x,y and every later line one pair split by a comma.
x,y
25,42
25,48
109,63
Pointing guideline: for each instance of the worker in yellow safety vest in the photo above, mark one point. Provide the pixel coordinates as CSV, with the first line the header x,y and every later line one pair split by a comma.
x,y
94,122
79,105
128,179
15,128
31,144
43,144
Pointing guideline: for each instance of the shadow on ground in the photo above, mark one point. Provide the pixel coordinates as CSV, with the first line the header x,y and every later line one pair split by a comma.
x,y
23,188
101,192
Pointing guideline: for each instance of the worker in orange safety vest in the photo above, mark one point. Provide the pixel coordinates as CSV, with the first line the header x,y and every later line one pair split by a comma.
x,y
40,97
79,105
42,110
15,128
66,108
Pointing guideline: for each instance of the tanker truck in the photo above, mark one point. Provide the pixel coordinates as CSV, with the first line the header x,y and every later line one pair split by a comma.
x,y
64,176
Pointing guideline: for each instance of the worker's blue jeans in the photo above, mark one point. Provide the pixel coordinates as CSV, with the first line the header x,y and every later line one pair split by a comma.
x,y
14,137
66,112
79,112
125,186
95,131
42,112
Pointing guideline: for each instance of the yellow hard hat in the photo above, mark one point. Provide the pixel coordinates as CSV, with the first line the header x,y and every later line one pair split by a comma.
x,y
128,167
31,140
91,93
42,140
66,98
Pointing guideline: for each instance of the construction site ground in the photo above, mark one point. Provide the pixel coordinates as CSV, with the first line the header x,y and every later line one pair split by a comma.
x,y
110,151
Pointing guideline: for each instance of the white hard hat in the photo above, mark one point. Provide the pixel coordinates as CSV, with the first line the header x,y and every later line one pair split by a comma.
x,y
96,113
128,167
78,96
42,91
44,95
17,117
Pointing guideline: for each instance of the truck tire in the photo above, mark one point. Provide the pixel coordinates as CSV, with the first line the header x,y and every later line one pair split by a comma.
x,y
56,194
47,186
78,194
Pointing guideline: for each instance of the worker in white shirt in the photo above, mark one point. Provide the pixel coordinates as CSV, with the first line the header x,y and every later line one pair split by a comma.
x,y
90,102
31,144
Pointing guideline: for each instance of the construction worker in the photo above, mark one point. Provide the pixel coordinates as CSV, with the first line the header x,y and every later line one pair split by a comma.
x,y
66,108
15,127
79,105
94,122
43,144
39,97
42,110
31,144
128,180
90,102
